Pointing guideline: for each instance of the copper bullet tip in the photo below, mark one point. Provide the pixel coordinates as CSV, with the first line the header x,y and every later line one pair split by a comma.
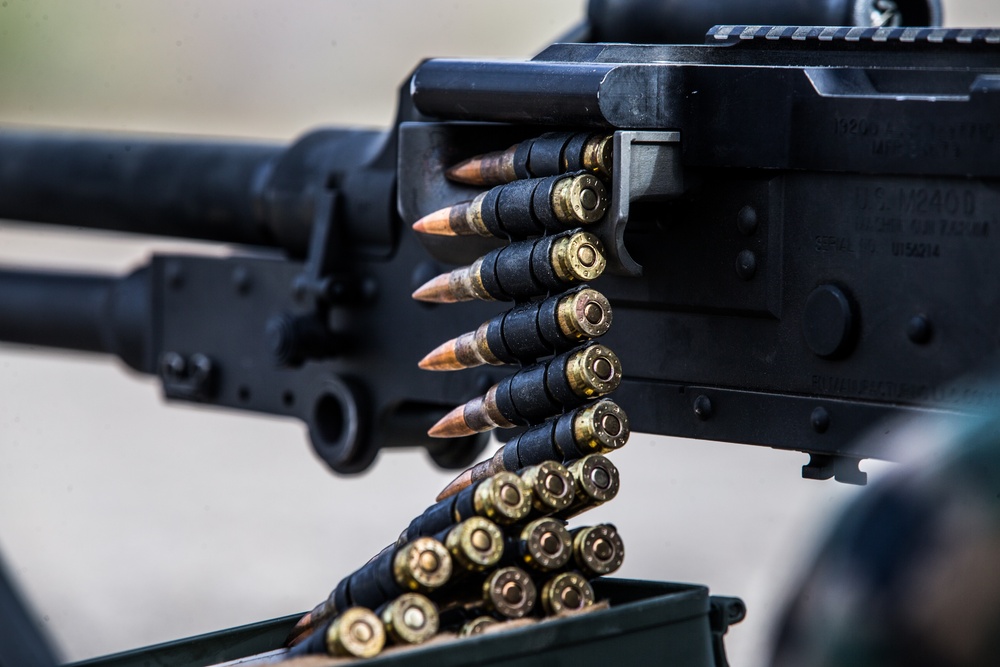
x,y
476,473
436,290
491,168
452,425
467,171
456,485
302,629
442,358
438,223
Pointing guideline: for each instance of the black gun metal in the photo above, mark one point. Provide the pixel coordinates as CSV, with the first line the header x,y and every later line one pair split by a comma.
x,y
786,203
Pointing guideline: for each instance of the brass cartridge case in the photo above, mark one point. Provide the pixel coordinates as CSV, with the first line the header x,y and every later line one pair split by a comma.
x,y
567,591
410,619
510,592
545,544
422,565
598,550
475,544
356,632
552,486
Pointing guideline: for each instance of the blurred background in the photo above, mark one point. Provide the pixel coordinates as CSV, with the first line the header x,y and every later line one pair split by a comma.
x,y
127,521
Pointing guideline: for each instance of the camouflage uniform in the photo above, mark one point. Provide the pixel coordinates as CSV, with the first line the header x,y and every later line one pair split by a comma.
x,y
910,575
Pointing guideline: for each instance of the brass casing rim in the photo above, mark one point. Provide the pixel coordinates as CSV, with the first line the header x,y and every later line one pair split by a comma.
x,y
588,427
341,640
567,199
583,470
500,579
553,589
532,535
488,501
407,569
402,633
571,314
583,549
584,380
566,260
463,551
544,499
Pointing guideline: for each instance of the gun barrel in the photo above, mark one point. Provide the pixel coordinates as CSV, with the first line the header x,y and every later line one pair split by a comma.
x,y
201,190
93,313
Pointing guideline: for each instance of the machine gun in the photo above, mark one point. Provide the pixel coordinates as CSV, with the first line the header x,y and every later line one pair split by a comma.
x,y
753,277
768,189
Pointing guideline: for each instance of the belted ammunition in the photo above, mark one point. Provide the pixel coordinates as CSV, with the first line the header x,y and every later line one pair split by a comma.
x,y
475,545
597,482
422,565
503,499
552,487
527,332
520,270
597,550
544,544
507,592
567,591
598,427
536,392
551,153
523,208
356,632
409,619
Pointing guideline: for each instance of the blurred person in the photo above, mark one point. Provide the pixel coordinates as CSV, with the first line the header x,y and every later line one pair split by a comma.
x,y
910,574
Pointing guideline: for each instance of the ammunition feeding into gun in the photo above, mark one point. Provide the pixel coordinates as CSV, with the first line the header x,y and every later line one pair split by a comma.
x,y
599,427
523,208
527,332
520,270
534,393
547,155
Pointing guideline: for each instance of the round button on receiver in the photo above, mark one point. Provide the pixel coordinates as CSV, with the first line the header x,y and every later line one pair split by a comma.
x,y
829,321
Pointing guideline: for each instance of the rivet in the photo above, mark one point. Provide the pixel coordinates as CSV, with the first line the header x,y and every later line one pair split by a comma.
x,y
746,264
820,419
746,220
919,329
702,407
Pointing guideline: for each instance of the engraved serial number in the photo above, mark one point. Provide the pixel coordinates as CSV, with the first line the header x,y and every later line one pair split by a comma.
x,y
915,250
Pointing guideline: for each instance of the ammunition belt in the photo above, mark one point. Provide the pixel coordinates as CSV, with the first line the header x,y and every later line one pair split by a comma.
x,y
495,545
